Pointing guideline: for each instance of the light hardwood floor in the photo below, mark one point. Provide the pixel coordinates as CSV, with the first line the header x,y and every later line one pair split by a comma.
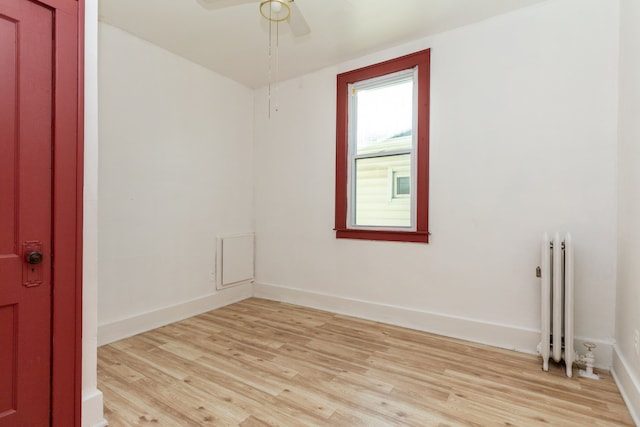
x,y
258,363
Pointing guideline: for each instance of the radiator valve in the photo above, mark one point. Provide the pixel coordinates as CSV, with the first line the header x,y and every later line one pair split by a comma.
x,y
588,359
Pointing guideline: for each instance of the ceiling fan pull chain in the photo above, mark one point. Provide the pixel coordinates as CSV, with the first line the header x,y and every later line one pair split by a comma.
x,y
277,64
269,73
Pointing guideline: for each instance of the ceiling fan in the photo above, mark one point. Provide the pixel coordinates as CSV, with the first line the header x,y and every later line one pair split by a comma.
x,y
272,10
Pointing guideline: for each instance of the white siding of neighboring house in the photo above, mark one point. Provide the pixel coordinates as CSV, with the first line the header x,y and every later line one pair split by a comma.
x,y
376,204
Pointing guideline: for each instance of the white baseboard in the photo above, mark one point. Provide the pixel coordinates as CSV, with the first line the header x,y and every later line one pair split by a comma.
x,y
92,409
494,334
628,384
114,331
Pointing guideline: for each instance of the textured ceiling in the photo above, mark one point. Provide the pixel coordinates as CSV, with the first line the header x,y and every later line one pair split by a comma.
x,y
233,41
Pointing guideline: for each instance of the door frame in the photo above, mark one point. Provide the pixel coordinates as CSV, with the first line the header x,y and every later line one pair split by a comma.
x,y
67,225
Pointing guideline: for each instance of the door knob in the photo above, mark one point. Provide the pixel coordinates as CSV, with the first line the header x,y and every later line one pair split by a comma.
x,y
33,257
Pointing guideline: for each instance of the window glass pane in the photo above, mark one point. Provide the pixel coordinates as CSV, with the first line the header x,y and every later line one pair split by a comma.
x,y
384,117
375,204
403,185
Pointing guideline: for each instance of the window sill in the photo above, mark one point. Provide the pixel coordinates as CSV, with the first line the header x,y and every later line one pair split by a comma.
x,y
391,236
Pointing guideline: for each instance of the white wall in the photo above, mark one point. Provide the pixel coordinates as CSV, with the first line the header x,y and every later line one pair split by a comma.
x,y
91,396
626,360
175,156
523,140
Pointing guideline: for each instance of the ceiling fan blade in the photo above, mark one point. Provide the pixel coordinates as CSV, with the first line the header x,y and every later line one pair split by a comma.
x,y
298,24
219,4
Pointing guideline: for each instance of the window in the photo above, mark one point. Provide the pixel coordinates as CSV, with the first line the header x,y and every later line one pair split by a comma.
x,y
402,185
382,151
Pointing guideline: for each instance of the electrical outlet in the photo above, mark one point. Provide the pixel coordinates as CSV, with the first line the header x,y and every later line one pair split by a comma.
x,y
636,342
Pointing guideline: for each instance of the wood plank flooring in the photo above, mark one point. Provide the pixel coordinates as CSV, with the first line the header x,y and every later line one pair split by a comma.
x,y
263,363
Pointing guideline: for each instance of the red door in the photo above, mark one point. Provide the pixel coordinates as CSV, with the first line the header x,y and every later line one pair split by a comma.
x,y
26,100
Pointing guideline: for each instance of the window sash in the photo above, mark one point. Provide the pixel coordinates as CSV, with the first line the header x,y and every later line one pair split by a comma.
x,y
379,82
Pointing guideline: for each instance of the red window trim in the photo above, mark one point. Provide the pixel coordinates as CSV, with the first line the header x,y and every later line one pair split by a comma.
x,y
421,234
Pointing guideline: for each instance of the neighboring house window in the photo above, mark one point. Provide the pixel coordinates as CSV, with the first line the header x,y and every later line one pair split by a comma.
x,y
401,184
382,151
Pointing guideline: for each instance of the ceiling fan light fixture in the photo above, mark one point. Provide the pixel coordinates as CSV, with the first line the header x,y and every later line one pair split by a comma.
x,y
275,10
